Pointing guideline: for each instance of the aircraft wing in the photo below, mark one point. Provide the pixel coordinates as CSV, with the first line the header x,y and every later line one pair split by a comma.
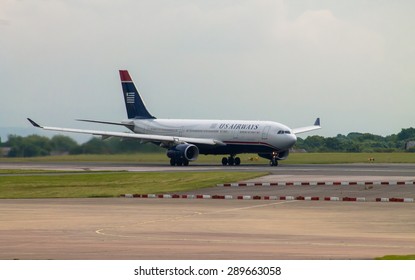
x,y
307,128
147,137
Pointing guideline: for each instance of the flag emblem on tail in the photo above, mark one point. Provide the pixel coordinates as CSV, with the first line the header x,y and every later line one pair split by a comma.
x,y
130,97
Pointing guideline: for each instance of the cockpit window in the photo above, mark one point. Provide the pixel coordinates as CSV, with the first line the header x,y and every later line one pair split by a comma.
x,y
284,132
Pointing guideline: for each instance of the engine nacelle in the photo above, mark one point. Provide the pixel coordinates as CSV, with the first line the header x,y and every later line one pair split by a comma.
x,y
184,151
283,155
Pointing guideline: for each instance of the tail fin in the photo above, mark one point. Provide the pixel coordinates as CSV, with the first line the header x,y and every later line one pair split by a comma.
x,y
135,106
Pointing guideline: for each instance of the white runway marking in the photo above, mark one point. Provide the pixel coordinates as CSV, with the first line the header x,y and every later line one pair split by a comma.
x,y
102,230
111,232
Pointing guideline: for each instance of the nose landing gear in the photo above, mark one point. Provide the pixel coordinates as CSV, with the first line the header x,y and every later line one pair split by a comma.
x,y
273,161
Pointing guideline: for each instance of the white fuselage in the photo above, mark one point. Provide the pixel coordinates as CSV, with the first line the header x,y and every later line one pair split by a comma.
x,y
238,135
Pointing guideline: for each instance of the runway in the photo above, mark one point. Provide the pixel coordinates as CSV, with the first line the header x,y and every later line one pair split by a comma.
x,y
121,228
394,170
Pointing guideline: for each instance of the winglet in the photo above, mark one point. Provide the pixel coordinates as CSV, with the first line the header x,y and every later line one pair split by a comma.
x,y
307,128
33,123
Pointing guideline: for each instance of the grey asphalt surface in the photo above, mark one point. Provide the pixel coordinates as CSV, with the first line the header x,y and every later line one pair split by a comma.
x,y
119,228
122,228
394,170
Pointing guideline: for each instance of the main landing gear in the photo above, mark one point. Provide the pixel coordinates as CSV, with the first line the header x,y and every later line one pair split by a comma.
x,y
179,161
231,160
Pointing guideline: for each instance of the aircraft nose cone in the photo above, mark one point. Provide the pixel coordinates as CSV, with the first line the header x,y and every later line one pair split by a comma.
x,y
293,139
289,141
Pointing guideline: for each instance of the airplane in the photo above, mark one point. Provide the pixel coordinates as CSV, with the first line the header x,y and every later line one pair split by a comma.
x,y
186,139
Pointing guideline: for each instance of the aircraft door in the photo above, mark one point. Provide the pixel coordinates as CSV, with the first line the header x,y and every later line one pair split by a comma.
x,y
236,134
265,132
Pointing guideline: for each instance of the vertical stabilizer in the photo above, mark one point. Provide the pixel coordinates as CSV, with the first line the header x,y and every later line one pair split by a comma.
x,y
134,104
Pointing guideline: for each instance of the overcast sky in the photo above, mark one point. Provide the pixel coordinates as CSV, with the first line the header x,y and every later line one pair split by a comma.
x,y
352,63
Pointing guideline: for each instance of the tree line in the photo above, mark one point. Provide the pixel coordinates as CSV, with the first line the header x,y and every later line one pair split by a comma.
x,y
359,142
35,145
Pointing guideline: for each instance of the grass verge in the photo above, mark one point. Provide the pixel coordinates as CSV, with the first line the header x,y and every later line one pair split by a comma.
x,y
112,184
396,257
337,158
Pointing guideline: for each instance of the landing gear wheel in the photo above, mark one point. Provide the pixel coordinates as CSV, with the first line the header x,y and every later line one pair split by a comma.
x,y
231,160
172,161
273,162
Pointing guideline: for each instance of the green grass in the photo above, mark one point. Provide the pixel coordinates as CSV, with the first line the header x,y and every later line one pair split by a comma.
x,y
397,257
112,184
336,158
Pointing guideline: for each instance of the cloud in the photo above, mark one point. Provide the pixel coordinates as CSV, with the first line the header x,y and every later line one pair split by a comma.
x,y
322,31
273,60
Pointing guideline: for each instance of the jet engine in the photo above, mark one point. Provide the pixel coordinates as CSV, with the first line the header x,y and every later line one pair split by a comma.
x,y
182,154
283,155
